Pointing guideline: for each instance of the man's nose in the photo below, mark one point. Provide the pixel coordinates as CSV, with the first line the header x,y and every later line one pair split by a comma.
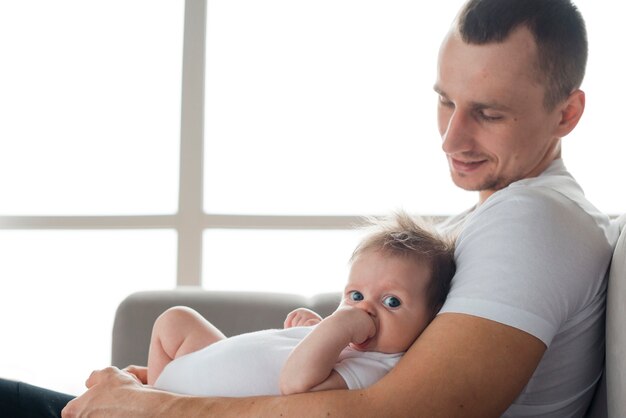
x,y
457,136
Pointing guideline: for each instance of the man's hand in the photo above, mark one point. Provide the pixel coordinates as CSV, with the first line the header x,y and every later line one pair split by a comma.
x,y
302,317
115,393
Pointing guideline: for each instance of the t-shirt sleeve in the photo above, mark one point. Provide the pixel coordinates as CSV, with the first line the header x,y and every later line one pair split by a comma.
x,y
528,260
362,369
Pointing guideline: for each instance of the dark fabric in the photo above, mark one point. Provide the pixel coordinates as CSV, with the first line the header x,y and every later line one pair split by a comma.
x,y
21,400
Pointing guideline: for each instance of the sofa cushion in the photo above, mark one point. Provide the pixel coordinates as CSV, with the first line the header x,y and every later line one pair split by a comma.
x,y
232,312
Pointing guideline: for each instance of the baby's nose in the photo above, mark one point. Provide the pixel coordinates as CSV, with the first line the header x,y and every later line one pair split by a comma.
x,y
368,307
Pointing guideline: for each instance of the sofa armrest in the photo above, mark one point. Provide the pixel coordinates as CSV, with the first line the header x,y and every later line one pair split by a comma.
x,y
232,312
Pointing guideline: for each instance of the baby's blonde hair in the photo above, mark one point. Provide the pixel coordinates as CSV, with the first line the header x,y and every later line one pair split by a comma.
x,y
402,235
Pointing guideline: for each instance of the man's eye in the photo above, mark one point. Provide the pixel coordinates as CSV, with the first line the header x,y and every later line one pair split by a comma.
x,y
489,117
391,302
445,102
356,296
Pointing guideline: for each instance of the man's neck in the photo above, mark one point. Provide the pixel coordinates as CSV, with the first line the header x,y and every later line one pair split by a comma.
x,y
483,195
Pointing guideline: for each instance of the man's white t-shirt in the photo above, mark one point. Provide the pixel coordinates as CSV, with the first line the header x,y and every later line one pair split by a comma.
x,y
250,364
534,256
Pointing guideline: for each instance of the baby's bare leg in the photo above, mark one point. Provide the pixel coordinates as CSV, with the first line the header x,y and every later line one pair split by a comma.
x,y
178,331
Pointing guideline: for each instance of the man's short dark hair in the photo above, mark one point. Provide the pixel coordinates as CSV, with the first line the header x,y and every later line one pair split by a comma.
x,y
558,29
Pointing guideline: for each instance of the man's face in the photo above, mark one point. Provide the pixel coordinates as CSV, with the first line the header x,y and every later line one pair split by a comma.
x,y
492,120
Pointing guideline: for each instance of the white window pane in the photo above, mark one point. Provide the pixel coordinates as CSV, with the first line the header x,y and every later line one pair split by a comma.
x,y
325,107
58,294
304,262
595,151
90,106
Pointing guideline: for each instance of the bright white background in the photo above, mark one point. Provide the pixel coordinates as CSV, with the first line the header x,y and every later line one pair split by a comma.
x,y
311,108
89,125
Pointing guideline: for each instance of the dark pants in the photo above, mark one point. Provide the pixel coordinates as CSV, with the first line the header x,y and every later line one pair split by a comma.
x,y
19,399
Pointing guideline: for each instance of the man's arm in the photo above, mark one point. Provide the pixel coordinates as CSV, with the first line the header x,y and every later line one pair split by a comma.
x,y
461,366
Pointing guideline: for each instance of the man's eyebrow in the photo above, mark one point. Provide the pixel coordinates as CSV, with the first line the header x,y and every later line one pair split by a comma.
x,y
490,105
476,105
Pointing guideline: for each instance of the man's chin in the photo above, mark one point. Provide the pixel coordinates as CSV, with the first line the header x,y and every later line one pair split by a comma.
x,y
469,184
464,182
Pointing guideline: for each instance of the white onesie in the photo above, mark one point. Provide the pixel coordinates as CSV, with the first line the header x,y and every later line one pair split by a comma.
x,y
250,364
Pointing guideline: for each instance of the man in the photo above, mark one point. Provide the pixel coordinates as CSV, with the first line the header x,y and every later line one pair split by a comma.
x,y
521,333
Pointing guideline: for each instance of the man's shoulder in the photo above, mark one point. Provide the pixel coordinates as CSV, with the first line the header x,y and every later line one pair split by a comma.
x,y
553,201
529,201
535,221
513,206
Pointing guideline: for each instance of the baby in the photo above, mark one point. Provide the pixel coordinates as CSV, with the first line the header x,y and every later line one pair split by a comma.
x,y
399,278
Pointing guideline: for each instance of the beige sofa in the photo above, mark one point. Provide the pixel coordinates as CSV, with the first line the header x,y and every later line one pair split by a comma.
x,y
238,312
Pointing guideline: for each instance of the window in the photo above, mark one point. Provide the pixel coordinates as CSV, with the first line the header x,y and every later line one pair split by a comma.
x,y
59,293
324,108
313,114
91,107
89,162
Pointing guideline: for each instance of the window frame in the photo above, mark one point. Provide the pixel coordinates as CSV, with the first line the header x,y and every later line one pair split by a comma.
x,y
190,220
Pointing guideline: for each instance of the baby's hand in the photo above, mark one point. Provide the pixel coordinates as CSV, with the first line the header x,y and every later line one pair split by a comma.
x,y
302,317
138,372
359,324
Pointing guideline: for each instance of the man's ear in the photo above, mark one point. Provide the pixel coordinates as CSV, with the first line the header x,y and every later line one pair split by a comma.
x,y
571,111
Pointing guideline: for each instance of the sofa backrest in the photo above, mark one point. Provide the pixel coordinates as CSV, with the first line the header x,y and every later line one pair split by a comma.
x,y
232,312
616,329
606,401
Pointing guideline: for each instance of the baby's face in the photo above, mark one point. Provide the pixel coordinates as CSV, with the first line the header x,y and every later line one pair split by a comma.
x,y
392,290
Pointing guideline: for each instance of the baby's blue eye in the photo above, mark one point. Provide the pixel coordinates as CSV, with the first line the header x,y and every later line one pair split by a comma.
x,y
356,296
391,302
